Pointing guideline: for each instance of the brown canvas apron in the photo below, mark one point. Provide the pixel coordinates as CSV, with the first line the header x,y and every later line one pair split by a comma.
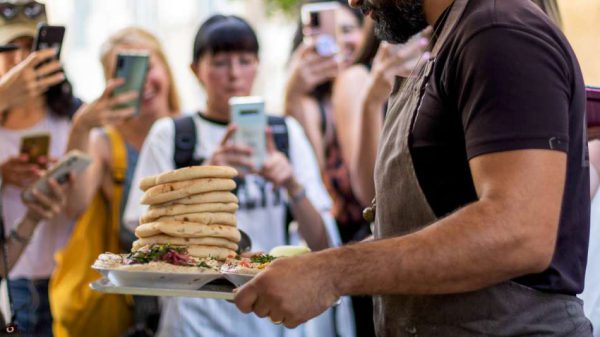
x,y
507,309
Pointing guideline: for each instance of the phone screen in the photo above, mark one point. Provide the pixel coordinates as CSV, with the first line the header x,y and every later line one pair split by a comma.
x,y
133,68
248,114
49,37
35,146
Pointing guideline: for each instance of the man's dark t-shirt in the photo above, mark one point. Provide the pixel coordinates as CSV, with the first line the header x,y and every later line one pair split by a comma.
x,y
507,79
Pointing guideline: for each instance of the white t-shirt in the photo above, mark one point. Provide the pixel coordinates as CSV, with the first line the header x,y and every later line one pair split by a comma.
x,y
37,261
261,215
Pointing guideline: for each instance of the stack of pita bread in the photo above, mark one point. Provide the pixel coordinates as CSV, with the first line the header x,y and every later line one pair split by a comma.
x,y
191,207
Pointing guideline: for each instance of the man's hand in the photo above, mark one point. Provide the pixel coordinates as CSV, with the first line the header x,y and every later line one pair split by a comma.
x,y
29,80
290,291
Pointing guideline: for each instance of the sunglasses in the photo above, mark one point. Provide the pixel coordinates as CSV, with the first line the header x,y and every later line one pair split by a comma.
x,y
31,10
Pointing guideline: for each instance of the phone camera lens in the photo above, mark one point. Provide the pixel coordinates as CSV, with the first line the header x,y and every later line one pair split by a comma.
x,y
315,21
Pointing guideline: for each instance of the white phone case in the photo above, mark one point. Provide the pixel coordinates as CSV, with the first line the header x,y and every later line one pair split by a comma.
x,y
73,162
248,114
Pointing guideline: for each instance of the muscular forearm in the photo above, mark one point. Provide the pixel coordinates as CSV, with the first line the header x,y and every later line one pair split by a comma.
x,y
310,222
364,155
478,246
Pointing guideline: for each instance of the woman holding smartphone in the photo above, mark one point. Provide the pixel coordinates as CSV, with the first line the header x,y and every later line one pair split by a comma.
x,y
31,103
112,133
225,61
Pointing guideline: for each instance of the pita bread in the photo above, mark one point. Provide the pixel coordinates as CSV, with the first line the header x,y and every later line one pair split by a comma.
x,y
188,173
160,194
164,239
183,229
210,251
155,212
205,198
228,219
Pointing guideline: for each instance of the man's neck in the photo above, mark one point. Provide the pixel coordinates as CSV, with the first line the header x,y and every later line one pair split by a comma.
x,y
434,9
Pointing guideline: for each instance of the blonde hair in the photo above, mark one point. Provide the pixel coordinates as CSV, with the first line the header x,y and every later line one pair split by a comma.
x,y
135,36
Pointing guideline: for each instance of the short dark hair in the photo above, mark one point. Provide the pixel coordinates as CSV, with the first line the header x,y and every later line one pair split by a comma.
x,y
222,33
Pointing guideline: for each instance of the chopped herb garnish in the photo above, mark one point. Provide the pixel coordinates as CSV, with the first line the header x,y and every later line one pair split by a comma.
x,y
203,265
262,258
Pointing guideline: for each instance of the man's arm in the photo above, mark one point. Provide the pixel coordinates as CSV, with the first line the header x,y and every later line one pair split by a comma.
x,y
510,231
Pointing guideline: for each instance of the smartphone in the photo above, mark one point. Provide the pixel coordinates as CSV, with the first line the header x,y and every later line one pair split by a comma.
x,y
248,115
73,162
35,145
319,24
593,106
131,66
49,37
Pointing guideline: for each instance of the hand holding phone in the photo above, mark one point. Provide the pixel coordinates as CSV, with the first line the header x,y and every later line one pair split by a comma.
x,y
49,37
132,67
320,27
74,162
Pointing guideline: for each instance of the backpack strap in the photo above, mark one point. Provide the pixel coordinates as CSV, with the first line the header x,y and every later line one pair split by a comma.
x,y
119,155
185,142
280,134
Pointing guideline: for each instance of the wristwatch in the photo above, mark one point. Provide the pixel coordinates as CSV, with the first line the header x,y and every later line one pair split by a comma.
x,y
298,196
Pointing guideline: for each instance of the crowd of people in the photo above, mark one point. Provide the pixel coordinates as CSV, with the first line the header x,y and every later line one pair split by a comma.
x,y
318,174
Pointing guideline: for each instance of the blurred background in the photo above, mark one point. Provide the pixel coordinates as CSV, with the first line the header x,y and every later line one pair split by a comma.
x,y
90,22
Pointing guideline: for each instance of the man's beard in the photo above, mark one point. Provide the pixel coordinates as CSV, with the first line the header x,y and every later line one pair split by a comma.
x,y
397,20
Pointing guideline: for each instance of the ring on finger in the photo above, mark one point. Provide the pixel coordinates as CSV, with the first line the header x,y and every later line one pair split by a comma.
x,y
276,322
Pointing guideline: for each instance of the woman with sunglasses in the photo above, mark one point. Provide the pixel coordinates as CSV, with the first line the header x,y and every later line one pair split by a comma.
x,y
39,101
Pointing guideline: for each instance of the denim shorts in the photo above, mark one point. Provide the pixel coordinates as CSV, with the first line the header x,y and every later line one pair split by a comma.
x,y
32,308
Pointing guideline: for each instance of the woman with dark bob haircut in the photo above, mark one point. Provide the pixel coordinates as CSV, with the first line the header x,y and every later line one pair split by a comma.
x,y
225,61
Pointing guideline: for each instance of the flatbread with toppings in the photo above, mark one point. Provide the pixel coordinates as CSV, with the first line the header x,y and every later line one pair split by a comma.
x,y
158,258
247,265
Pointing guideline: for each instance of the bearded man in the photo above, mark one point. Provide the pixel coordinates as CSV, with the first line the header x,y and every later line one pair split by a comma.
x,y
482,186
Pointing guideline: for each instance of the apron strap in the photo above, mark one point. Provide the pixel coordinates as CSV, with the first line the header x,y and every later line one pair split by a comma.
x,y
458,8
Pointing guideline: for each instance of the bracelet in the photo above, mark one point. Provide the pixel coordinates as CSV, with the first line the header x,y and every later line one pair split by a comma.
x,y
15,236
298,196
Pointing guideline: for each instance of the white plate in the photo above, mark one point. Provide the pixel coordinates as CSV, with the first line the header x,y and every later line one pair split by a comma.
x,y
151,279
237,279
223,292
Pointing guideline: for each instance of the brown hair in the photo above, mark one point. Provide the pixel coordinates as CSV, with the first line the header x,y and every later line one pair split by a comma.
x,y
368,46
135,36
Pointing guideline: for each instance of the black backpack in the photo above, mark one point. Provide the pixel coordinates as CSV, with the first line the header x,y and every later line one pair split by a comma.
x,y
185,139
